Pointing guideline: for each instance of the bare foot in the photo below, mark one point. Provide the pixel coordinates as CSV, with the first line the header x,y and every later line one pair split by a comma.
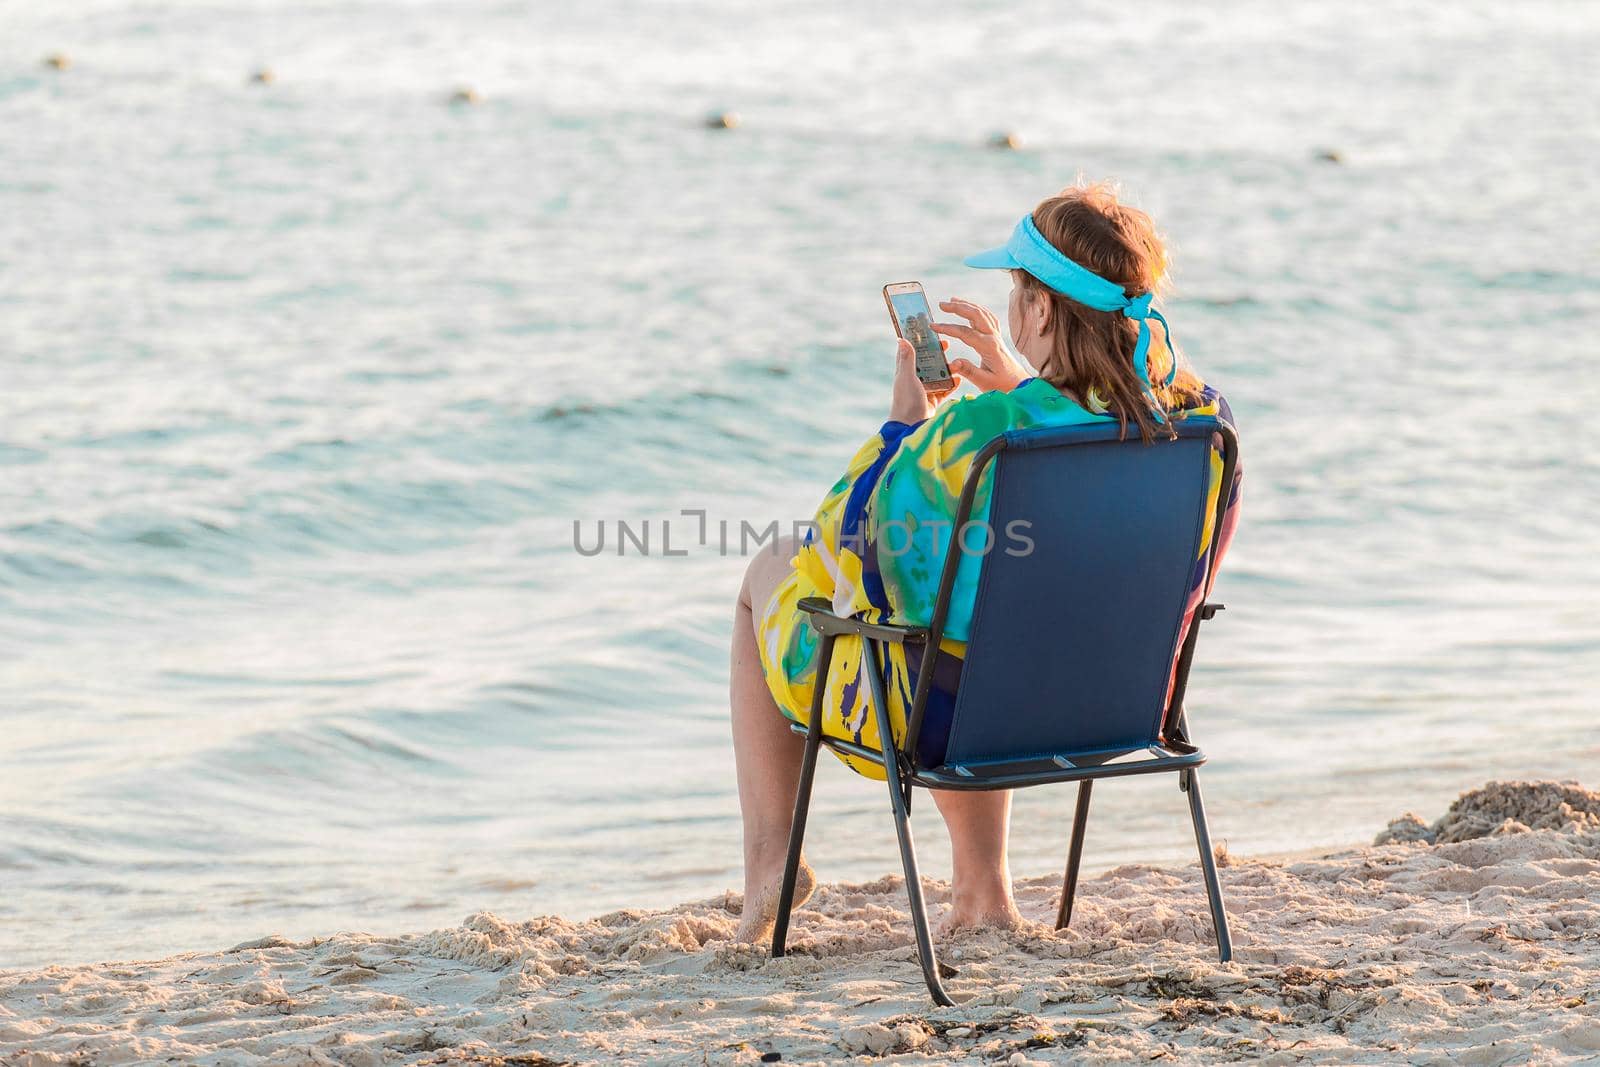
x,y
761,907
1001,917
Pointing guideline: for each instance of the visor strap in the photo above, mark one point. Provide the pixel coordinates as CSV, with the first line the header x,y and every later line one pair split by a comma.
x,y
1141,359
1141,367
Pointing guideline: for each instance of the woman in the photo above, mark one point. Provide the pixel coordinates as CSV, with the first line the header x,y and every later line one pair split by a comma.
x,y
880,536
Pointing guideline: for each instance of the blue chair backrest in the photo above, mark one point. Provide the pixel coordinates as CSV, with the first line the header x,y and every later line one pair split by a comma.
x,y
1072,644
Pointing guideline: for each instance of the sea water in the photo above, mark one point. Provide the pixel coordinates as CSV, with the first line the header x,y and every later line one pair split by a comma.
x,y
303,386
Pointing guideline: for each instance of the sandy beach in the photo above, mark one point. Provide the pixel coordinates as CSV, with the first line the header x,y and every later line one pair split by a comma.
x,y
1473,939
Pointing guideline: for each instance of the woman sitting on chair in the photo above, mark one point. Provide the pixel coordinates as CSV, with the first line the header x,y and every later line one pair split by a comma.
x,y
1084,268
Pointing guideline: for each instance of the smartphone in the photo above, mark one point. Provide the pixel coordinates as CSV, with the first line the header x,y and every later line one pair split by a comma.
x,y
913,321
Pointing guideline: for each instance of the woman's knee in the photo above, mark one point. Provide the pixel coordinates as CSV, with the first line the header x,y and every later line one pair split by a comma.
x,y
768,567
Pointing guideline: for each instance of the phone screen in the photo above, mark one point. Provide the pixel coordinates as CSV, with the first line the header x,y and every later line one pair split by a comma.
x,y
915,321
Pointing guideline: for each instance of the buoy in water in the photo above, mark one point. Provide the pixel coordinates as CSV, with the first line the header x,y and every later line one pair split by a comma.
x,y
722,120
1006,141
58,61
264,76
466,95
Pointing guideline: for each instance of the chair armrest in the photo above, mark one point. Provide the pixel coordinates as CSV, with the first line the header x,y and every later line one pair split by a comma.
x,y
1208,610
824,621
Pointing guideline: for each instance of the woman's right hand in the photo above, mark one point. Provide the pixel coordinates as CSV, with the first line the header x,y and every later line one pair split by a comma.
x,y
997,369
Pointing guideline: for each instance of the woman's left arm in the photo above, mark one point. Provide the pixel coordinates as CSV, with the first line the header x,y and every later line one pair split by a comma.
x,y
832,555
910,405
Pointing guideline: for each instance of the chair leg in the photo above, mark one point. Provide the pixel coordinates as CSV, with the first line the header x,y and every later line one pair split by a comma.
x,y
1069,886
1208,863
802,801
898,789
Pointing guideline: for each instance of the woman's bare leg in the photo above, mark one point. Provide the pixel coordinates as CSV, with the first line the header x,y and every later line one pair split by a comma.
x,y
766,754
981,879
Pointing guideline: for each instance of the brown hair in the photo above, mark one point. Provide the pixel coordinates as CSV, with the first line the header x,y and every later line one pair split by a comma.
x,y
1092,352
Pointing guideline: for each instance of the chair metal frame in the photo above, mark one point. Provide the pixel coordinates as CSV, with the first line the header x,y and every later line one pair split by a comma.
x,y
1171,750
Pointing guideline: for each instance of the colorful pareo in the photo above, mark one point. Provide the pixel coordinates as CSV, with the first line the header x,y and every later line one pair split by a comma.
x,y
877,547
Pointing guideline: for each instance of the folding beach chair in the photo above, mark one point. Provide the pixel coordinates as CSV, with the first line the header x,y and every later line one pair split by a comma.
x,y
1071,646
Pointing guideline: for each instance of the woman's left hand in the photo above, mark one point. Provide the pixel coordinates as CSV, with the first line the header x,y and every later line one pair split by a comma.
x,y
911,402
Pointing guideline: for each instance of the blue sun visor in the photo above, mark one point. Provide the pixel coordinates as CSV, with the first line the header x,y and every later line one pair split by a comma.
x,y
1028,250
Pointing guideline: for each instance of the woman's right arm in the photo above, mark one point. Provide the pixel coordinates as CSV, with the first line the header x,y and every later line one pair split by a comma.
x,y
997,370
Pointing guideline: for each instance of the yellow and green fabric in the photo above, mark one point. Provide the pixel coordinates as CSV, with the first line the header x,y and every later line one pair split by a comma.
x,y
876,548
